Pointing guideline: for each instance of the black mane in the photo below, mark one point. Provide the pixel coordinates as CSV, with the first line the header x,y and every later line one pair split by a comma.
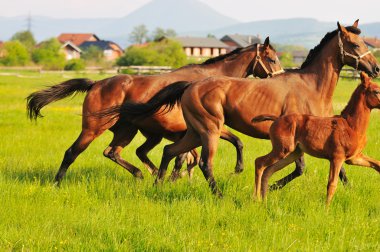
x,y
315,51
232,53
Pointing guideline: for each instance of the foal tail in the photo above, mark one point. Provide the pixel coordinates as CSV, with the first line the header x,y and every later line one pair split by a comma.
x,y
39,99
168,97
262,118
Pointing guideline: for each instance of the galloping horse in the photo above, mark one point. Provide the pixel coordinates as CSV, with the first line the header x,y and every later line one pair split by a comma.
x,y
259,60
210,103
338,139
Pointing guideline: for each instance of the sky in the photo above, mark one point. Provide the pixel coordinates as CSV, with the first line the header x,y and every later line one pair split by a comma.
x,y
345,11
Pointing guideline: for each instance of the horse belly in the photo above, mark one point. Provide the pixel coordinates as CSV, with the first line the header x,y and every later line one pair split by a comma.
x,y
244,125
169,125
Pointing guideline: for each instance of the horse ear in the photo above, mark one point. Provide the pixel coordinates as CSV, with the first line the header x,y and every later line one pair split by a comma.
x,y
266,42
365,79
342,28
356,23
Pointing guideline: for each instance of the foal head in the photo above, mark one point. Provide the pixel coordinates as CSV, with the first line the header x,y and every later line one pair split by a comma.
x,y
265,63
354,52
372,91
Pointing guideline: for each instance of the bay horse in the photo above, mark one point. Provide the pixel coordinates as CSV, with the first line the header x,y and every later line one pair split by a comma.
x,y
338,139
210,103
258,60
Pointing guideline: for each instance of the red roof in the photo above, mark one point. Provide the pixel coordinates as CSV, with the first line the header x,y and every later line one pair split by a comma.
x,y
372,42
77,38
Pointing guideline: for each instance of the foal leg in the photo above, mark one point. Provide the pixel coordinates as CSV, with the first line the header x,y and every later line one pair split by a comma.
x,y
82,142
261,164
143,150
335,166
122,137
365,161
298,171
276,167
227,135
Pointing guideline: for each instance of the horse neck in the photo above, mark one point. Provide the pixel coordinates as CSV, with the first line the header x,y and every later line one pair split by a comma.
x,y
357,113
324,72
237,67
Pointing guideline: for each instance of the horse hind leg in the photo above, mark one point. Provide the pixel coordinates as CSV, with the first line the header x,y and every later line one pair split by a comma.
x,y
122,137
82,142
209,149
296,154
298,171
142,152
190,141
176,173
228,136
191,165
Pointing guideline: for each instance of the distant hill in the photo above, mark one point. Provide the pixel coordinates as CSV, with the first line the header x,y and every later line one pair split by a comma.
x,y
186,17
182,16
298,31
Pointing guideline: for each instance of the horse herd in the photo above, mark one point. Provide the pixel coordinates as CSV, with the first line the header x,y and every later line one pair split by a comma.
x,y
191,105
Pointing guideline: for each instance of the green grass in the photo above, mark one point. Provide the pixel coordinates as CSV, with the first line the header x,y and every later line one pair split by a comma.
x,y
100,206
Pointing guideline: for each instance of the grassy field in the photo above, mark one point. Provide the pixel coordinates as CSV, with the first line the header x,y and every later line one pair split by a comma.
x,y
102,207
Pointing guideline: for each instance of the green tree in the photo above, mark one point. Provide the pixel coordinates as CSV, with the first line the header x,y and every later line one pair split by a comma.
x,y
286,59
139,34
75,65
49,55
158,33
15,54
26,38
92,54
161,53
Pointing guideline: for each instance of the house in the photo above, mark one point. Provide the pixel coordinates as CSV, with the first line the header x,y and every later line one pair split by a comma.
x,y
202,47
372,42
299,56
111,50
77,38
70,50
237,40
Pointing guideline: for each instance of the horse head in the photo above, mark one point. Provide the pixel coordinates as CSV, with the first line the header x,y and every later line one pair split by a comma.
x,y
265,63
372,91
354,52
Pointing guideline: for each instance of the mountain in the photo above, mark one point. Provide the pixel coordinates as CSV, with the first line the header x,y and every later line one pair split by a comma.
x,y
186,17
182,16
297,31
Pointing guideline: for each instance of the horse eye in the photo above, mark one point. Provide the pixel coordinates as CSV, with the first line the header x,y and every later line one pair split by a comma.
x,y
271,60
376,92
355,45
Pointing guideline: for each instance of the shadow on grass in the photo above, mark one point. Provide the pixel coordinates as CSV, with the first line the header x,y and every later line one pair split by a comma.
x,y
46,176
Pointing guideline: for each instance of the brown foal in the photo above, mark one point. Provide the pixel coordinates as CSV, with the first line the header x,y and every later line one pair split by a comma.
x,y
258,60
209,104
338,139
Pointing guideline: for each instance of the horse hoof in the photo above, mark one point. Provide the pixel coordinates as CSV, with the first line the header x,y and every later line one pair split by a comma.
x,y
138,174
274,187
155,172
239,170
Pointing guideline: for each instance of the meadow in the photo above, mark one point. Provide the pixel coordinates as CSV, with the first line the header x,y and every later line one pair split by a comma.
x,y
100,206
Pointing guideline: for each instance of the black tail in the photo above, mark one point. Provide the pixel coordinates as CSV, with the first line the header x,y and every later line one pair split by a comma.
x,y
168,97
39,99
262,118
